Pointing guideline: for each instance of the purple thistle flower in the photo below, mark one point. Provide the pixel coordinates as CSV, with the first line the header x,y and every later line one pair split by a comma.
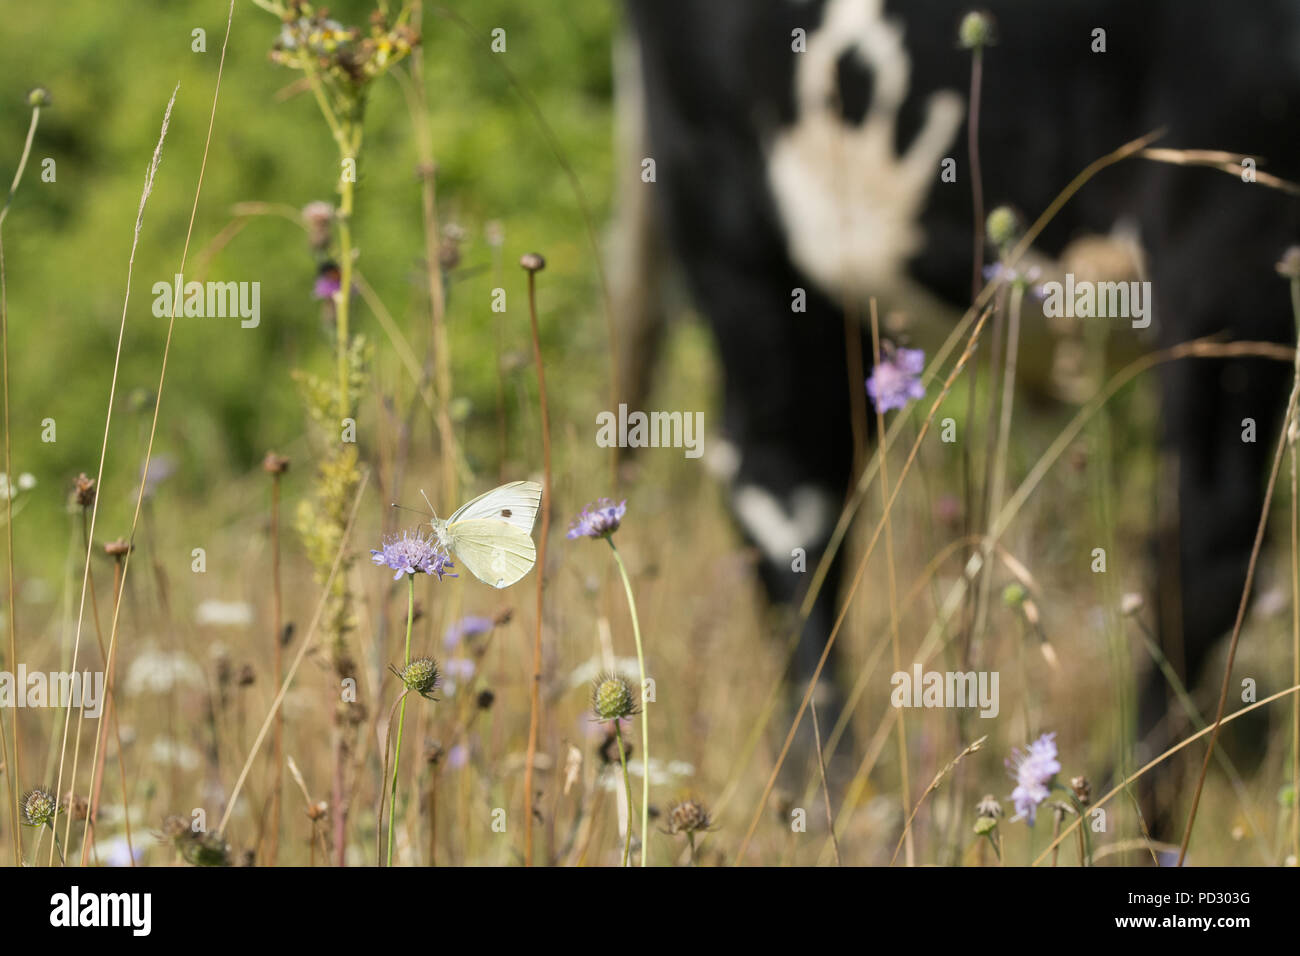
x,y
409,553
600,519
467,628
896,380
1033,769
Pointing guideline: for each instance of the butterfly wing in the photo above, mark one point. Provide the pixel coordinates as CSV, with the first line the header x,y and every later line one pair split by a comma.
x,y
495,552
515,504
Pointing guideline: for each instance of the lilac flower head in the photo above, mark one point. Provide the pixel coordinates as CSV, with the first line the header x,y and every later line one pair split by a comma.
x,y
1033,769
599,519
457,669
998,272
458,756
328,282
896,380
409,553
466,628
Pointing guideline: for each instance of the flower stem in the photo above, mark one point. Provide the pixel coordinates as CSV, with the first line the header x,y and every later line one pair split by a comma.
x,y
645,724
627,788
57,845
401,716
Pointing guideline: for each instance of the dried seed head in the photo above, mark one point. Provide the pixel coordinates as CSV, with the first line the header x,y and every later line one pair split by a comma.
x,y
174,827
532,262
318,218
612,698
39,807
688,816
350,714
989,807
485,699
433,753
78,806
83,491
318,810
275,464
117,548
1082,789
247,676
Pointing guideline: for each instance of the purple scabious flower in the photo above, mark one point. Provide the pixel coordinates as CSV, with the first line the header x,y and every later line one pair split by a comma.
x,y
466,628
1029,277
328,281
409,553
600,519
896,380
458,756
457,669
1033,770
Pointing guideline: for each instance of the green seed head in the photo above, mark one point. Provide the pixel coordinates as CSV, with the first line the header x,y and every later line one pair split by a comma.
x,y
1014,594
1003,226
39,96
688,816
612,698
39,807
976,30
421,676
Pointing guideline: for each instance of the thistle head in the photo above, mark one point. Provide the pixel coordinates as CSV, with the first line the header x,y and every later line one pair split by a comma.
x,y
612,697
420,675
39,807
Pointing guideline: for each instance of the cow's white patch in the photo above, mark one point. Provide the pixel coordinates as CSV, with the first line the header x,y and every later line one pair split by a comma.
x,y
778,530
848,202
722,459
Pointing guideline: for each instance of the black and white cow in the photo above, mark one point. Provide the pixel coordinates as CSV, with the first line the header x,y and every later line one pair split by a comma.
x,y
820,169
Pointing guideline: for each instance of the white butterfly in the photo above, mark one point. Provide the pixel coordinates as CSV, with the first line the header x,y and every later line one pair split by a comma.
x,y
492,535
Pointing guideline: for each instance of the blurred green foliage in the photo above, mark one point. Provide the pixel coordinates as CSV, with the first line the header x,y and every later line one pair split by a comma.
x,y
110,68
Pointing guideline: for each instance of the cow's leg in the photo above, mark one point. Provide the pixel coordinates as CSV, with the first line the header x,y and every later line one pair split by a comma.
x,y
787,415
1222,418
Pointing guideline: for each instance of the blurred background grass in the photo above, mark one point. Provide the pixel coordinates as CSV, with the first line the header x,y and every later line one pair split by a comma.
x,y
110,69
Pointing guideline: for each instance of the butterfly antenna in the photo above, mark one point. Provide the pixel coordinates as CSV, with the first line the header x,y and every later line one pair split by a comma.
x,y
433,511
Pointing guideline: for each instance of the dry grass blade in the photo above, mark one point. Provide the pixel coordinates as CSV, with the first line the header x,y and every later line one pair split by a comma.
x,y
934,785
